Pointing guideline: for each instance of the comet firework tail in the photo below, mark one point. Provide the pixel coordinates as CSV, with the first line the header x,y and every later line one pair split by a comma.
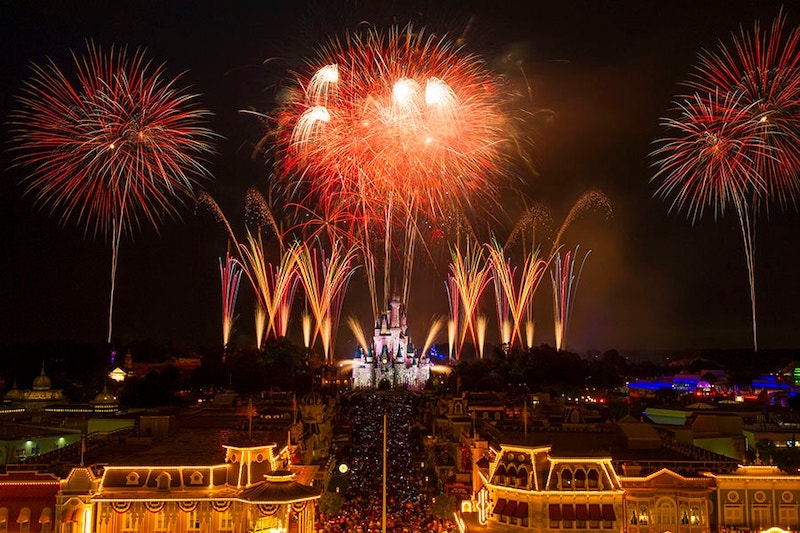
x,y
117,144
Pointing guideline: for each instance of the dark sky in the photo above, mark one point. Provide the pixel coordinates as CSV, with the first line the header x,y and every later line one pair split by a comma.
x,y
605,71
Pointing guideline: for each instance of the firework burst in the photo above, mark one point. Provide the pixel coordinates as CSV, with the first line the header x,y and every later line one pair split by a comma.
x,y
392,128
118,144
736,140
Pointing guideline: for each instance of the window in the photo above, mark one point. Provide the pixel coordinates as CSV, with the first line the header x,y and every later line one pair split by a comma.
x,y
695,516
192,521
566,479
644,515
733,515
788,517
665,512
580,479
159,522
594,479
225,521
760,514
128,524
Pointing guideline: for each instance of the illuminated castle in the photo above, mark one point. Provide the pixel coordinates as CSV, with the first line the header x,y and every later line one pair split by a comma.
x,y
392,358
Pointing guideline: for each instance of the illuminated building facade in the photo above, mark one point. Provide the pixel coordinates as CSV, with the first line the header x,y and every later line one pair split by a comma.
x,y
392,358
527,489
666,501
756,498
28,502
253,491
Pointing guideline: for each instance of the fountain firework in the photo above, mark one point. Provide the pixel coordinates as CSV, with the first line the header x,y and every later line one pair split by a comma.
x,y
470,276
565,284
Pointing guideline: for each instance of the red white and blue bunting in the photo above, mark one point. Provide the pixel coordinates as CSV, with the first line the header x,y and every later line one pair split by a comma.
x,y
298,506
121,507
220,506
154,507
268,509
187,506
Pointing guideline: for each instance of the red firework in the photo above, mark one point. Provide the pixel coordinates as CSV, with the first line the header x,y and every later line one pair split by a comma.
x,y
388,129
402,115
118,144
763,70
709,159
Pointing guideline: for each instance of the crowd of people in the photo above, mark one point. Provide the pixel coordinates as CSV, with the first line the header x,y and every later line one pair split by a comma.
x,y
409,493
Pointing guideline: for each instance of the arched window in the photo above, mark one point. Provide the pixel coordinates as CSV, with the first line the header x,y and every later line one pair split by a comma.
x,y
666,512
511,475
566,479
522,476
594,478
695,516
580,479
644,515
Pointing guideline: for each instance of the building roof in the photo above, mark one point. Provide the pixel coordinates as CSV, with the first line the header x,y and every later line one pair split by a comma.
x,y
279,487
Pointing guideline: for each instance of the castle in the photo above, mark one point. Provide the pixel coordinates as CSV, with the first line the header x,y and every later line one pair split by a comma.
x,y
392,358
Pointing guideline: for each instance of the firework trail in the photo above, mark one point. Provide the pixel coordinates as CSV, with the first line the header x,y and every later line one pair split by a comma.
x,y
710,161
517,298
565,284
230,274
736,140
118,144
392,128
470,276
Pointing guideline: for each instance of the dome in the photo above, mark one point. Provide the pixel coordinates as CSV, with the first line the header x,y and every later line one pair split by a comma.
x,y
42,382
105,397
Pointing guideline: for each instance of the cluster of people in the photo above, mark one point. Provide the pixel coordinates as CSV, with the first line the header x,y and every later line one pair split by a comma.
x,y
408,495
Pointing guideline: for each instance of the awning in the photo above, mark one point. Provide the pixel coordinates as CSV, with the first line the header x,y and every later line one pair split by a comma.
x,y
568,511
47,516
501,505
581,513
24,515
608,512
3,515
522,510
554,510
594,512
511,506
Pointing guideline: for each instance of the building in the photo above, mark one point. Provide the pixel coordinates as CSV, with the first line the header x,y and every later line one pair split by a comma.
x,y
28,501
392,359
527,489
254,490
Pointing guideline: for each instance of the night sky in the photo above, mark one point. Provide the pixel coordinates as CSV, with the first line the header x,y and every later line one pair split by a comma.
x,y
602,72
